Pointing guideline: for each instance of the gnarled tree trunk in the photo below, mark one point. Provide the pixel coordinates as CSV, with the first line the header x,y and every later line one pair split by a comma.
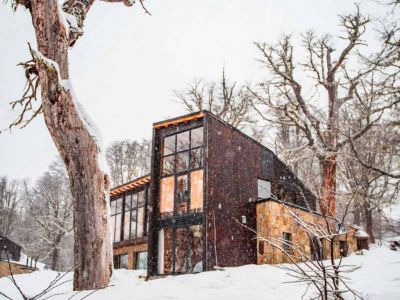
x,y
78,148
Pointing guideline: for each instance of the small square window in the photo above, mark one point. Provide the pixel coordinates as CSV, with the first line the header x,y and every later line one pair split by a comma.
x,y
287,242
264,189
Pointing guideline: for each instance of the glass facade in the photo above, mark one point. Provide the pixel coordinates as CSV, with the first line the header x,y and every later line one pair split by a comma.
x,y
128,216
181,183
180,235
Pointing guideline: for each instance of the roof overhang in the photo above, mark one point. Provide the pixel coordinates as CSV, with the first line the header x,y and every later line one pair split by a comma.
x,y
130,185
179,120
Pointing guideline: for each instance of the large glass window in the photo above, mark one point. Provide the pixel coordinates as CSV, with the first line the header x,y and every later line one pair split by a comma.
x,y
128,219
181,184
180,249
116,215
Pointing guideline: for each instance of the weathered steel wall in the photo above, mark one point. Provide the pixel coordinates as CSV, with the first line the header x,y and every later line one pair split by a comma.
x,y
155,224
233,164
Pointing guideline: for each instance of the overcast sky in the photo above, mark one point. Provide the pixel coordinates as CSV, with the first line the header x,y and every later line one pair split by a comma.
x,y
127,65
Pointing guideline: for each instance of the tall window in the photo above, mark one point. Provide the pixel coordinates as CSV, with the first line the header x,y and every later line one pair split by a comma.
x,y
128,219
134,215
181,185
116,217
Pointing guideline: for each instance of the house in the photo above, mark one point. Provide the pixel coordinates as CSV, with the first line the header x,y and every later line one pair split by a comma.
x,y
10,249
208,195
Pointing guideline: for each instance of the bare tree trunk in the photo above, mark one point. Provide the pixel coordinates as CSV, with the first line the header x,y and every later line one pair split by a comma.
x,y
78,149
328,188
54,258
369,222
357,211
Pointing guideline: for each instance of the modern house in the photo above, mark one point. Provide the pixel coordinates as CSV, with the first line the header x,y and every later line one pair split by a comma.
x,y
206,198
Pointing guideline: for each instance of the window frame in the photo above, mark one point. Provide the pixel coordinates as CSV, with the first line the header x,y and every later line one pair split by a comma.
x,y
187,172
258,191
186,228
287,241
129,210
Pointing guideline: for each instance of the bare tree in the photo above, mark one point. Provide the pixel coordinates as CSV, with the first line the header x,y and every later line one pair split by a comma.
x,y
334,84
9,205
226,100
374,190
388,84
128,160
52,210
316,267
76,138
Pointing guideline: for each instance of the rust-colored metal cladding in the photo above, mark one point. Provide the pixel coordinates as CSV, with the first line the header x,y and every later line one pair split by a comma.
x,y
205,181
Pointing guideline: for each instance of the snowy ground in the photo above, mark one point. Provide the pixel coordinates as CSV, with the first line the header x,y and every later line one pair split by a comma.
x,y
378,278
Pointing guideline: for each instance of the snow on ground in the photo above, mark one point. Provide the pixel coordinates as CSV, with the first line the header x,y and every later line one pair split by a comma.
x,y
378,278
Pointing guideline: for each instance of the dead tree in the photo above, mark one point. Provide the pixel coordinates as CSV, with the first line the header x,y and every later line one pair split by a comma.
x,y
74,134
334,84
226,100
128,160
9,202
319,268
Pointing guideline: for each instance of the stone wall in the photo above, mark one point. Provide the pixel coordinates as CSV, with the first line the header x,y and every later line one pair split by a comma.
x,y
131,250
15,269
273,220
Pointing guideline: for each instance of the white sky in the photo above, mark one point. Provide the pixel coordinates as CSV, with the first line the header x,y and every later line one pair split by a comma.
x,y
126,66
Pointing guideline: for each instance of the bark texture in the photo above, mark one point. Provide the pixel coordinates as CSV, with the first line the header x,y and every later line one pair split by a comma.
x,y
78,149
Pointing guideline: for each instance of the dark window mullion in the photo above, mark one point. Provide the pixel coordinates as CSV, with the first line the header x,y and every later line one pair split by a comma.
x,y
188,176
122,217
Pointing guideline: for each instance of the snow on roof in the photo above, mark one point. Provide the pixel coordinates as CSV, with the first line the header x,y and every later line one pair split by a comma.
x,y
360,233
